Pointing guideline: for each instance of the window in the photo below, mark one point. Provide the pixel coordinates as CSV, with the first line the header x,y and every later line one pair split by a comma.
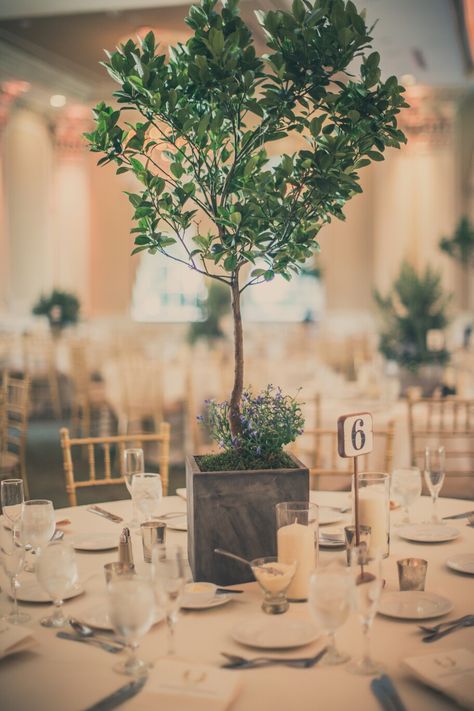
x,y
301,299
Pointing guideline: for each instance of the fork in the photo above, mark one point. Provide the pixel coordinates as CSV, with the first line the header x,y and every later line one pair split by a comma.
x,y
237,662
442,633
441,625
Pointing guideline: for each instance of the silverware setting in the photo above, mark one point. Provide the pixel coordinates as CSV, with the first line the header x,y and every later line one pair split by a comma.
x,y
466,514
111,646
118,697
234,661
99,511
224,591
438,632
88,633
386,693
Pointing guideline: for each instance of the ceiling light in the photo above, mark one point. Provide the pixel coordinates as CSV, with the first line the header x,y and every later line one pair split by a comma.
x,y
57,100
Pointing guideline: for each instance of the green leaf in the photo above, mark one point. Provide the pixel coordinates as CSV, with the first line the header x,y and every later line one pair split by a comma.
x,y
236,218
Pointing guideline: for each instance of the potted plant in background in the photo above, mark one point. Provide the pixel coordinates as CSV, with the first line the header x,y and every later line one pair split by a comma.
x,y
415,305
199,125
461,248
61,308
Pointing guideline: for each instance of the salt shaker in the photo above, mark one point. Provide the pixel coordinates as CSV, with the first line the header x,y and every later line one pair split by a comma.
x,y
125,547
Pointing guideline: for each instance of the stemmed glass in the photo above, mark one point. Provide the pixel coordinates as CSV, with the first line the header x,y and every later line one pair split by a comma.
x,y
12,559
133,463
406,486
330,602
56,571
13,501
131,611
434,476
37,525
170,572
367,574
147,492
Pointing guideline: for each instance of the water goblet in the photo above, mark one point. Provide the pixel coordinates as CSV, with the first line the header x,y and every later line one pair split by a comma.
x,y
131,606
406,487
12,557
330,602
434,477
171,572
56,570
12,500
147,492
274,578
37,525
367,575
133,463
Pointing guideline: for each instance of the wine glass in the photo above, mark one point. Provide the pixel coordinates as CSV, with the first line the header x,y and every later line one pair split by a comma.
x,y
12,559
56,570
37,525
171,571
147,492
133,463
330,601
434,476
131,604
406,487
13,500
367,576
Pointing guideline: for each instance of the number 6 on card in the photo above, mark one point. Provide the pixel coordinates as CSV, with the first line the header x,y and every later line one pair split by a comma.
x,y
355,434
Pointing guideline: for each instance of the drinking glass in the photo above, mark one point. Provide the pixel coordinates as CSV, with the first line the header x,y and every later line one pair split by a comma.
x,y
434,477
171,572
367,575
406,487
13,500
147,492
12,559
131,604
330,602
37,525
133,463
56,570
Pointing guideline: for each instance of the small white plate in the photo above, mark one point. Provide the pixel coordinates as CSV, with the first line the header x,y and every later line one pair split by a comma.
x,y
98,617
428,532
31,591
187,603
274,633
95,541
328,543
414,605
328,516
462,563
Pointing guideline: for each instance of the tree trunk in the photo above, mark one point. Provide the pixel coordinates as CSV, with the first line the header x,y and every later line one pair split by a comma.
x,y
235,398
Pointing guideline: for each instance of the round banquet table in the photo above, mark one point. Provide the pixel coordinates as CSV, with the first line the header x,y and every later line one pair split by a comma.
x,y
60,674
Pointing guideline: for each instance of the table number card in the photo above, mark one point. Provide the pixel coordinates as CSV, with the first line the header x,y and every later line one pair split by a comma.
x,y
355,434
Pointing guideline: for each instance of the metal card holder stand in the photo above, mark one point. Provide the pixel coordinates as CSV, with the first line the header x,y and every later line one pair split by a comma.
x,y
354,438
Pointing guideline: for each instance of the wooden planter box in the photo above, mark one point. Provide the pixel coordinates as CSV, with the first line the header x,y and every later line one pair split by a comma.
x,y
235,510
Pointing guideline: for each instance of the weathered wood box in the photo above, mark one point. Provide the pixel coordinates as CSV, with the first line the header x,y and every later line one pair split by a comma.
x,y
235,510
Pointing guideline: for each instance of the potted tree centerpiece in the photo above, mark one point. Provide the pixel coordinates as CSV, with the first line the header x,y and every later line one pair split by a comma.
x,y
199,124
61,308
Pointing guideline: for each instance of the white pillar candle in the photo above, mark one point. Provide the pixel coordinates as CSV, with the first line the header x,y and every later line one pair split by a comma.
x,y
373,513
295,542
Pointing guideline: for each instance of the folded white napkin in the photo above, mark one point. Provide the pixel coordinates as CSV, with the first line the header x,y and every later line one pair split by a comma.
x,y
14,639
451,672
178,685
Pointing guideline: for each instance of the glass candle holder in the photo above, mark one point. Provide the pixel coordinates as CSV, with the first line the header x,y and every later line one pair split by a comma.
x,y
412,573
374,510
350,538
297,542
115,570
153,534
274,578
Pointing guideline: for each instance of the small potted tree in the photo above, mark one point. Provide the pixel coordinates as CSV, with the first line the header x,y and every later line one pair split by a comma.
x,y
61,308
200,123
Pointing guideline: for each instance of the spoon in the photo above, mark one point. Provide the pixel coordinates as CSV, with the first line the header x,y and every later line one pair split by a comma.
x,y
86,631
271,570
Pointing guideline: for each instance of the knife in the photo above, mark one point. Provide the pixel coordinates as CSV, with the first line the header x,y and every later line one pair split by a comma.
x,y
106,646
119,696
387,694
466,514
106,514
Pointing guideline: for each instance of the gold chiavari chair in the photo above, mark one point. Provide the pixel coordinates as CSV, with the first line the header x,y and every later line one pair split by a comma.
x,y
88,398
448,422
107,446
322,458
14,407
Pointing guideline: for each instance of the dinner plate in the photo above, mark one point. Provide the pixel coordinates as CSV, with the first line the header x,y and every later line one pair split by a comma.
x,y
462,563
95,541
274,633
31,591
428,532
98,617
328,516
187,603
331,543
414,605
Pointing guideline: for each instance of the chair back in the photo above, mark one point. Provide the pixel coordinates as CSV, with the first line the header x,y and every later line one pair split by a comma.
x,y
14,409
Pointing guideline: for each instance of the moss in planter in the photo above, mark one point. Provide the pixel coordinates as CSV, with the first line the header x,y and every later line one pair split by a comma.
x,y
235,461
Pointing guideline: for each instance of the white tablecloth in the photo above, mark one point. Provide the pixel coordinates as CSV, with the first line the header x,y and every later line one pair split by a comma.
x,y
61,675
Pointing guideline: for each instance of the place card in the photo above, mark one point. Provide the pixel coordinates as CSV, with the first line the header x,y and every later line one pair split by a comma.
x,y
450,672
15,639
